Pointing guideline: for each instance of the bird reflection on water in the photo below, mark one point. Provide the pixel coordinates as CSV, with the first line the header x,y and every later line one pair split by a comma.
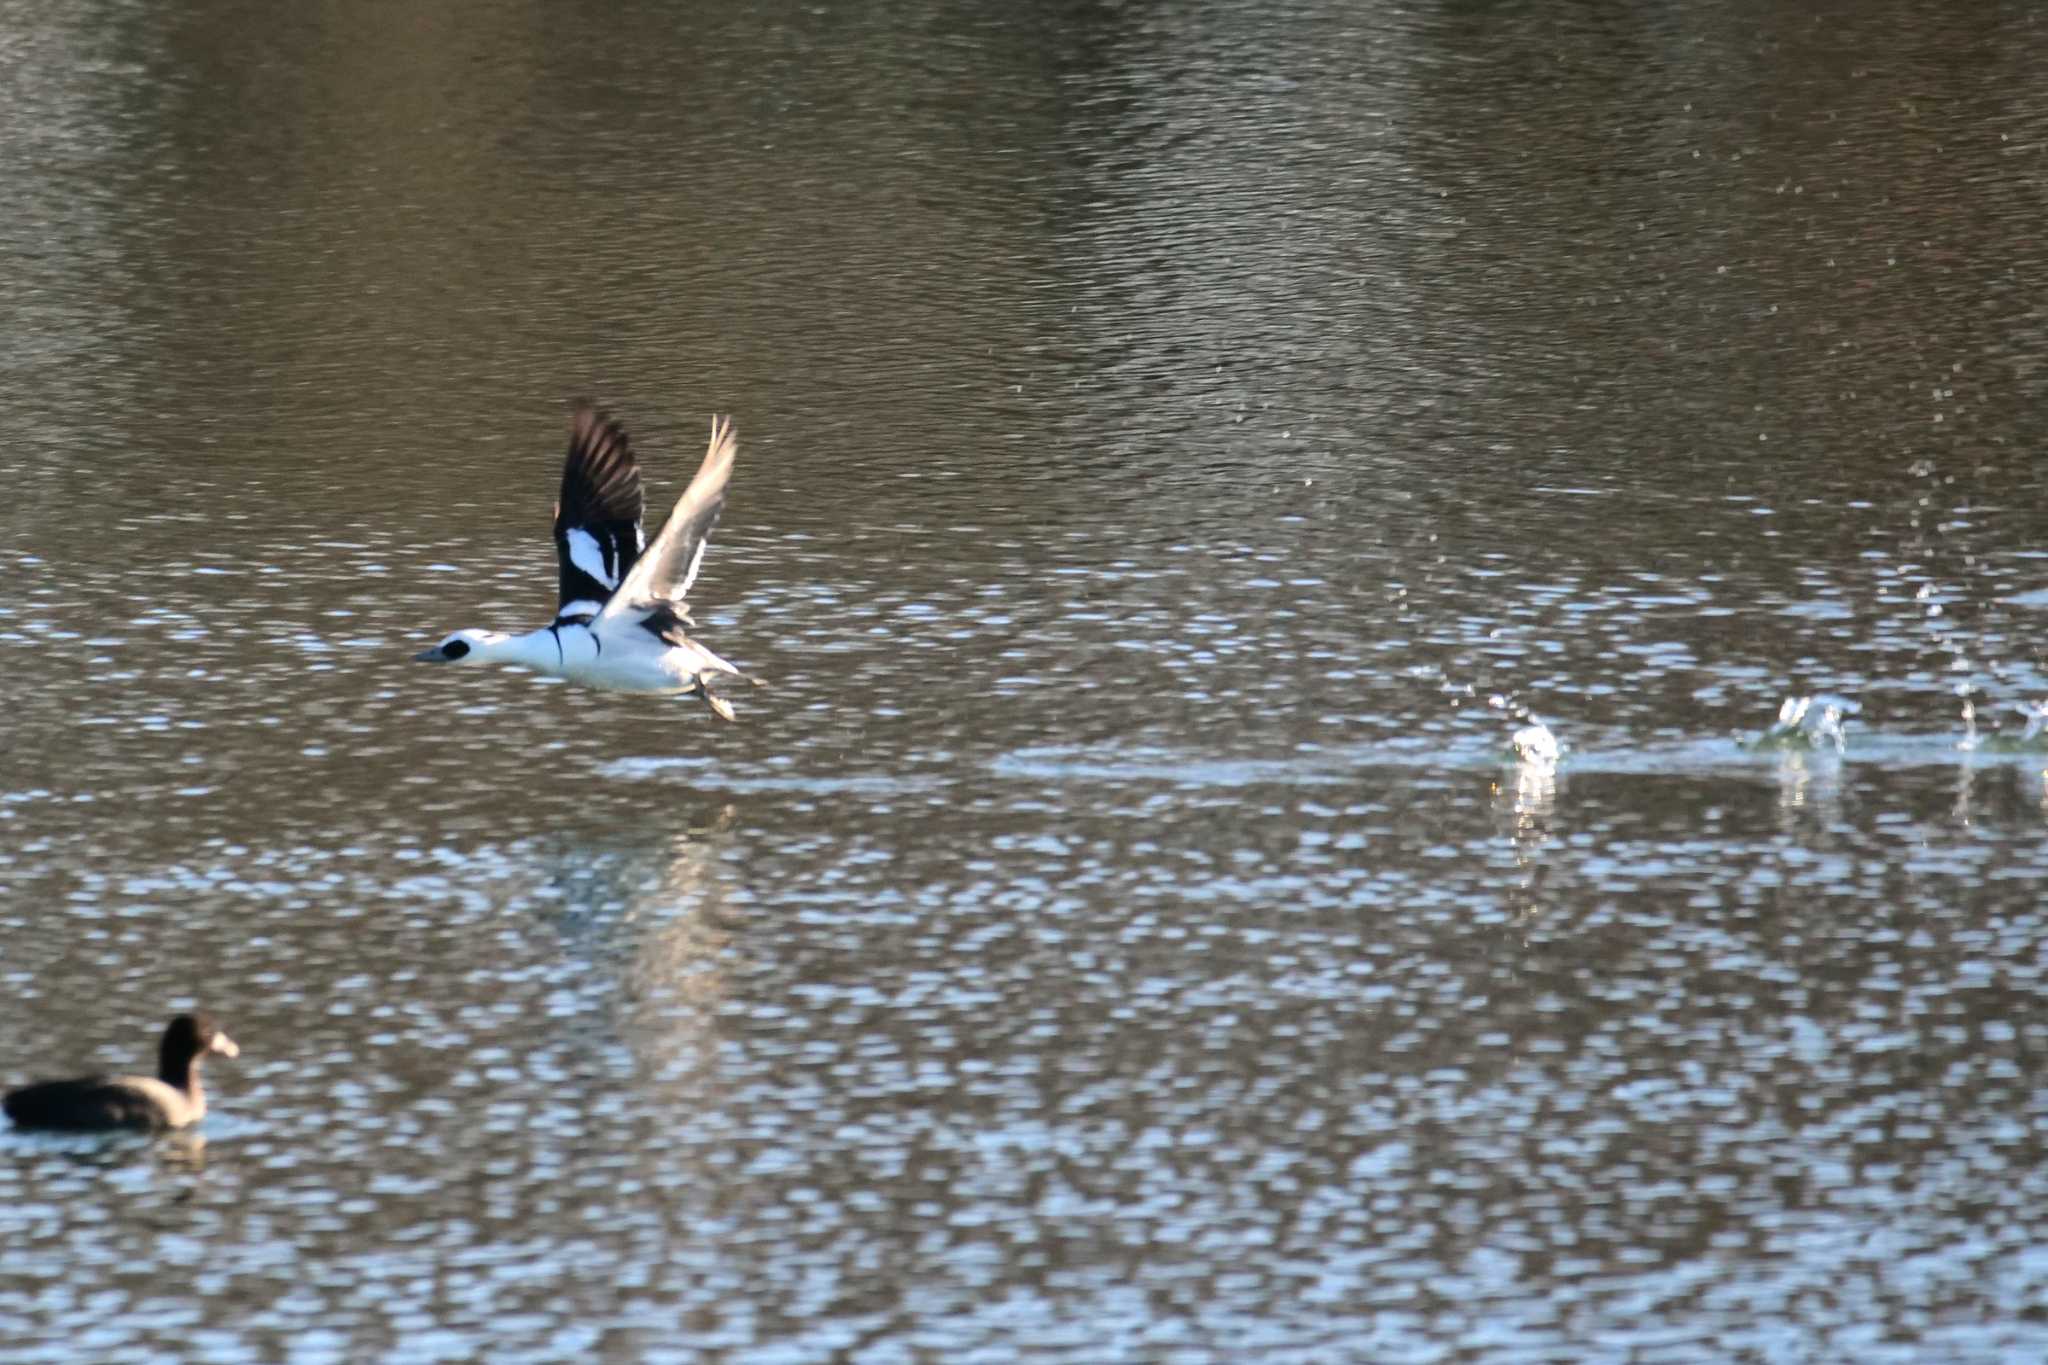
x,y
651,912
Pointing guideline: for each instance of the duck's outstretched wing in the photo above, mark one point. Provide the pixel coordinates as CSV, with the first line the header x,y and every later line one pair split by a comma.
x,y
597,517
664,573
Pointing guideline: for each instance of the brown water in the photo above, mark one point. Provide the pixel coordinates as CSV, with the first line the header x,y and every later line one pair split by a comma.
x,y
1121,933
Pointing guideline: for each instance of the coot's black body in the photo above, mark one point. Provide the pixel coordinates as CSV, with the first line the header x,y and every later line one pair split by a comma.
x,y
170,1099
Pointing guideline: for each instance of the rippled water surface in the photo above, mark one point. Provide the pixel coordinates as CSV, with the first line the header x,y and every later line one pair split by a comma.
x,y
1181,445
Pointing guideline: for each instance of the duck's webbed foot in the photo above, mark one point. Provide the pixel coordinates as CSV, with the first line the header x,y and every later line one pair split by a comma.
x,y
720,707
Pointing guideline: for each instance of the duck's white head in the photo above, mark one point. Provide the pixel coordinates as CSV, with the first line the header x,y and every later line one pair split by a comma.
x,y
463,647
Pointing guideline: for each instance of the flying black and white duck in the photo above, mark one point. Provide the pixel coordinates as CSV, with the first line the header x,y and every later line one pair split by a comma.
x,y
170,1099
620,622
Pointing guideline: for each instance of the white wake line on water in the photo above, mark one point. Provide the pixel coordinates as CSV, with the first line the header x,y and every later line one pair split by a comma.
x,y
1342,766
710,776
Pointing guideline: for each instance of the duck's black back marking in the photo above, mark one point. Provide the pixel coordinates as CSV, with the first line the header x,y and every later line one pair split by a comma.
x,y
597,517
88,1103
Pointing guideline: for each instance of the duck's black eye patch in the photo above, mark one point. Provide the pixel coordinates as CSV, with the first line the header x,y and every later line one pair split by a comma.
x,y
455,649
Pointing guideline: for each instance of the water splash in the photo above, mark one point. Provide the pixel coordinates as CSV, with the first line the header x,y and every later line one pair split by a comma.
x,y
1536,747
1533,744
1816,722
2036,712
2033,738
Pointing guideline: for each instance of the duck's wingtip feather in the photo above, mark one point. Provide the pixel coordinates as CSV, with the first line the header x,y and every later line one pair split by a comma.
x,y
724,441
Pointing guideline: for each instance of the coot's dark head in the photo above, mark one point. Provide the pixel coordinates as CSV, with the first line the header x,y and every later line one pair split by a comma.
x,y
186,1042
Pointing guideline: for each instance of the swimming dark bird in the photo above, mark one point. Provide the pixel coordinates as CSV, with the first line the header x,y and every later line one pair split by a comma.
x,y
620,619
170,1099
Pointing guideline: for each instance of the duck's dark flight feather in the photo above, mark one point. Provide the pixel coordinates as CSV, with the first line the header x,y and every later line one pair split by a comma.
x,y
597,517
